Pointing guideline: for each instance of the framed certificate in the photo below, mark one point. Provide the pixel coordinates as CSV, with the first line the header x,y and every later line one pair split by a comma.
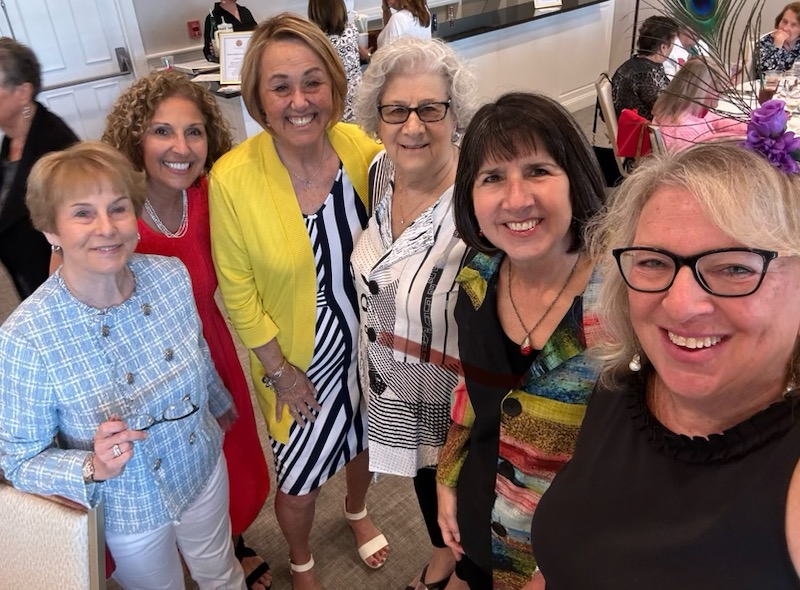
x,y
232,47
543,4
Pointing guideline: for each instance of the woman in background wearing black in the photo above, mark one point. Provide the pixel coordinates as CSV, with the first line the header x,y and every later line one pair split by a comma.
x,y
229,12
30,131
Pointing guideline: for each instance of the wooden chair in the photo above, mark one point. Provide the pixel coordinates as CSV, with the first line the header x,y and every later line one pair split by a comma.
x,y
50,542
603,88
656,140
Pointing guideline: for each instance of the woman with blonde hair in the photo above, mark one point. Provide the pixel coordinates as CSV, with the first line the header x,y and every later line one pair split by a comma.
x,y
682,110
287,205
688,460
173,130
410,19
107,389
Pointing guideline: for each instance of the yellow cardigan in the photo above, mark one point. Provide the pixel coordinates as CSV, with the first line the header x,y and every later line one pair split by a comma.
x,y
263,255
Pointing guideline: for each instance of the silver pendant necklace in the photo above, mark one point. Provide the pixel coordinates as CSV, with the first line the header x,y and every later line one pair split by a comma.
x,y
306,182
163,228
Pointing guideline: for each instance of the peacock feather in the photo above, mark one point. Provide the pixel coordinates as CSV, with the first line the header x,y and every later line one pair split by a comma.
x,y
729,31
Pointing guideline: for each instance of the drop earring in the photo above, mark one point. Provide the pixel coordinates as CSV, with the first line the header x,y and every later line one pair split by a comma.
x,y
636,363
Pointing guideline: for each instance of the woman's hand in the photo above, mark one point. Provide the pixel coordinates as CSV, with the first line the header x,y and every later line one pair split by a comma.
x,y
296,392
536,581
227,419
779,37
447,519
113,447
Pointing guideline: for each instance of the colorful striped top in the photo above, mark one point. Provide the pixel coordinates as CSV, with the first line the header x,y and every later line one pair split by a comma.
x,y
508,441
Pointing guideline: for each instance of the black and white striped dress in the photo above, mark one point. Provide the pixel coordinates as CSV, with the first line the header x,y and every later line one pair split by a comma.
x,y
323,447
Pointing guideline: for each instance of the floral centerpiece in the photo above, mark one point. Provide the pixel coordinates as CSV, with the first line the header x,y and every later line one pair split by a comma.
x,y
767,135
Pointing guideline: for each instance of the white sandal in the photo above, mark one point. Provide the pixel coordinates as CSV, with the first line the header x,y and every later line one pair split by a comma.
x,y
303,567
372,546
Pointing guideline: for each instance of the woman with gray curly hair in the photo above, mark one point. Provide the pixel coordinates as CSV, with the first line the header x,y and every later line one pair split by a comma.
x,y
415,97
688,459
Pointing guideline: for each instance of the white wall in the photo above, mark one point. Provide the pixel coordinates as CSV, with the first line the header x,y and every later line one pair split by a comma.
x,y
551,56
163,24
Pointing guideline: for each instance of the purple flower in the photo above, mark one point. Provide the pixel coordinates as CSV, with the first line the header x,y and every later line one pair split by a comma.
x,y
778,150
769,119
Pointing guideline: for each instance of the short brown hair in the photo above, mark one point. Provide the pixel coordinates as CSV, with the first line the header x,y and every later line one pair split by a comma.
x,y
133,111
328,15
282,27
794,7
84,167
419,8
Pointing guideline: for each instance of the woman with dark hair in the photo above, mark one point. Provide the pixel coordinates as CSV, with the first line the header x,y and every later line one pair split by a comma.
x,y
331,17
172,129
29,132
527,183
410,19
226,11
637,83
779,49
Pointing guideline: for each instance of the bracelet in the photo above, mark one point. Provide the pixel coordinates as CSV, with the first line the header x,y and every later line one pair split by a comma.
x,y
270,380
280,390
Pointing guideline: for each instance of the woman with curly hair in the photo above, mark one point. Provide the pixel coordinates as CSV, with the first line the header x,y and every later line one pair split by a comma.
x,y
410,19
173,130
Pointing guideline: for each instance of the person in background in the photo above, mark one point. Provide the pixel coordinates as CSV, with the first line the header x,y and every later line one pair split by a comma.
x,y
682,110
226,11
686,46
779,49
637,83
688,460
331,17
287,205
416,94
410,19
527,184
29,132
173,130
107,388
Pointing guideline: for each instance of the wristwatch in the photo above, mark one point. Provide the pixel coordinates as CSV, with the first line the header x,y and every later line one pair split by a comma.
x,y
88,469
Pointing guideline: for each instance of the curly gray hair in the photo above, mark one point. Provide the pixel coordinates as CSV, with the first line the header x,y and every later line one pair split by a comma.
x,y
409,55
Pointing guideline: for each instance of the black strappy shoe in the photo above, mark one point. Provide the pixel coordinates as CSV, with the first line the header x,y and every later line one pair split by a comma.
x,y
242,551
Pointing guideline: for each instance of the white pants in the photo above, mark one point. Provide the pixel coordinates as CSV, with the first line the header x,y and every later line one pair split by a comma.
x,y
150,561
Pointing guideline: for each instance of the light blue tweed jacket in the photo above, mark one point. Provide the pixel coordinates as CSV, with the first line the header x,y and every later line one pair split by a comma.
x,y
65,367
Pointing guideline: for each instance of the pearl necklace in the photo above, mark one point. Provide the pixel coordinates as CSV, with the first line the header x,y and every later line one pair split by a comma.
x,y
163,228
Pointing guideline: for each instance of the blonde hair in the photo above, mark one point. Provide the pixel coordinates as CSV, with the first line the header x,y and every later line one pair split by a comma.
x,y
688,92
85,167
127,123
738,190
283,27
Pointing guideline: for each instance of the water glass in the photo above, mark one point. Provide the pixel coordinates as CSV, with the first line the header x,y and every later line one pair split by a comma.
x,y
796,69
771,80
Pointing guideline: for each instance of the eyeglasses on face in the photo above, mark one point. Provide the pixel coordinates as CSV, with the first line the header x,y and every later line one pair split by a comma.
x,y
727,272
178,411
431,112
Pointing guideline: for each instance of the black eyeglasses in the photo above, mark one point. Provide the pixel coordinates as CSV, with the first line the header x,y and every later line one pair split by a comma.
x,y
179,411
727,272
430,112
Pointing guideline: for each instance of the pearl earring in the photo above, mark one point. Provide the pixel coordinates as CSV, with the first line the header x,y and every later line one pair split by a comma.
x,y
636,363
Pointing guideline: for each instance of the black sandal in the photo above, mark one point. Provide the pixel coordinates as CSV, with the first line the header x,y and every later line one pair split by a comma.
x,y
242,551
440,585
